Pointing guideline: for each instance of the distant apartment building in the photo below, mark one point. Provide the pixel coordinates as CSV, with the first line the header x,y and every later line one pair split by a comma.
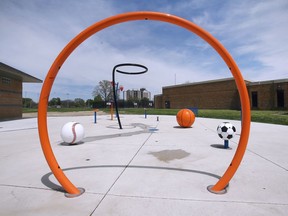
x,y
138,94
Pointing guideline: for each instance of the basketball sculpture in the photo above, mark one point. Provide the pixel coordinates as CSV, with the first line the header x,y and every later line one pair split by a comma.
x,y
185,118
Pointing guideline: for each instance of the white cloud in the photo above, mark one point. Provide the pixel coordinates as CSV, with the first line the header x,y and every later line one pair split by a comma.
x,y
255,32
34,32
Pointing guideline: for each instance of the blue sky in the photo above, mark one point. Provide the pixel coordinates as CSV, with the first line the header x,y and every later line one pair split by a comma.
x,y
33,32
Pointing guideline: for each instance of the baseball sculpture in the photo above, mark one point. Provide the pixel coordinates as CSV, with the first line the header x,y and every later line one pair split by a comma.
x,y
72,133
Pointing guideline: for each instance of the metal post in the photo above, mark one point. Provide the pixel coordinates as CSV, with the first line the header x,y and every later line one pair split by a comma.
x,y
123,100
226,144
113,81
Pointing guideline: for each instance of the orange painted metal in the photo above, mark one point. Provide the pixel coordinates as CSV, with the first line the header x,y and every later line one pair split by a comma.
x,y
132,16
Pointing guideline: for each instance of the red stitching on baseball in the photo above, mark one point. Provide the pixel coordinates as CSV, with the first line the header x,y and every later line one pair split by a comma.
x,y
74,132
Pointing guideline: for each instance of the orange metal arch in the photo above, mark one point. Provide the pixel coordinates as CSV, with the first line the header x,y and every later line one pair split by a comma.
x,y
131,16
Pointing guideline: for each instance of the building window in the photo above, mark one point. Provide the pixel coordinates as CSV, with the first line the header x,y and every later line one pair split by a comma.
x,y
135,94
167,104
280,98
254,99
6,81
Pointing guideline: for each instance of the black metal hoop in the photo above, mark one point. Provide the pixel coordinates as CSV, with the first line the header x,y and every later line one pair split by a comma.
x,y
131,73
128,73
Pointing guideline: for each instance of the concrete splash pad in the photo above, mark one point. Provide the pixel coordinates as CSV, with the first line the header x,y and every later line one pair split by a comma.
x,y
149,168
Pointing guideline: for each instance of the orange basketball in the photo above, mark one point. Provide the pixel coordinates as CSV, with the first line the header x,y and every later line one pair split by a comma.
x,y
185,118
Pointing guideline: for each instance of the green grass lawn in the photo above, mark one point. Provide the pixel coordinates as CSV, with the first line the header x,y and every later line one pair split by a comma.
x,y
73,109
272,117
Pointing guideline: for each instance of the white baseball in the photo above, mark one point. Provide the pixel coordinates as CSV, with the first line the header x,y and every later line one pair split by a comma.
x,y
72,132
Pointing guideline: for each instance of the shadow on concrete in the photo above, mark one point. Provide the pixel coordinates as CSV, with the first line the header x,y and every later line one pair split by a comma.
x,y
144,129
48,183
220,146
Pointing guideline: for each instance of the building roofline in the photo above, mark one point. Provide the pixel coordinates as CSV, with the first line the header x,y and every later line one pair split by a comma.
x,y
202,82
13,72
268,82
248,83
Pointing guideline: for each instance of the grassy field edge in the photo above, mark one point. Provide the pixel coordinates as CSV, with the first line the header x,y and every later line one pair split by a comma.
x,y
263,116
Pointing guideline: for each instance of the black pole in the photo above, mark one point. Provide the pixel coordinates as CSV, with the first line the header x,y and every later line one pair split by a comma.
x,y
114,96
113,83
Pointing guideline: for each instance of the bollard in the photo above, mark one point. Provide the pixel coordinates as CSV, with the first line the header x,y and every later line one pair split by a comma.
x,y
95,115
226,144
145,113
157,118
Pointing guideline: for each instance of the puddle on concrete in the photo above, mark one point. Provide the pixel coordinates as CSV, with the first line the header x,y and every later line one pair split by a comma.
x,y
169,155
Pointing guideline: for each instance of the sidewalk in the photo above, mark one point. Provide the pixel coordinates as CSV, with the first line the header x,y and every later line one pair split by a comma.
x,y
149,167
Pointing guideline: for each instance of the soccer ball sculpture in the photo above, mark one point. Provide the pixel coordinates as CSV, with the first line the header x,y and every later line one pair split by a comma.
x,y
185,118
72,132
226,131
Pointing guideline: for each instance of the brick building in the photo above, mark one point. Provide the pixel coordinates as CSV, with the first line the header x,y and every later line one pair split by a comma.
x,y
223,94
11,81
267,95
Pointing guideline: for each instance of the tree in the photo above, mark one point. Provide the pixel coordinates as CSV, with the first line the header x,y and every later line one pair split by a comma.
x,y
28,103
129,103
89,103
79,102
98,102
144,102
104,89
68,103
55,102
98,98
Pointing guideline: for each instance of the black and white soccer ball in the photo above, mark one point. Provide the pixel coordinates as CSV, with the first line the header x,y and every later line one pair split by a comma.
x,y
226,131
